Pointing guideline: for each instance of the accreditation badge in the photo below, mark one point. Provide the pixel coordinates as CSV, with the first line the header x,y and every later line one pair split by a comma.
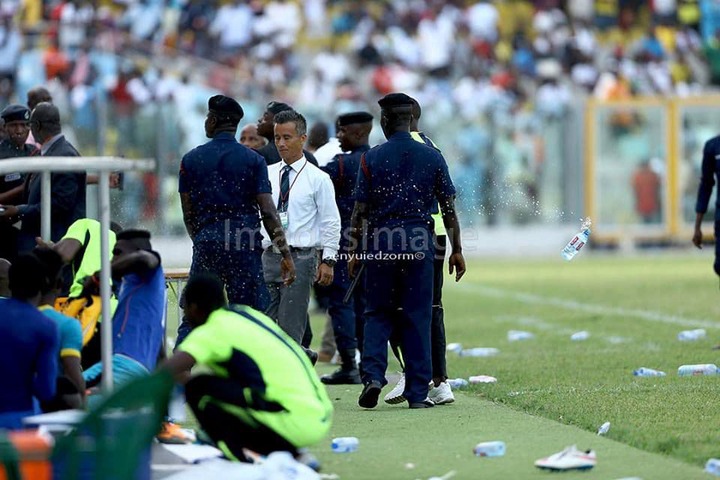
x,y
284,220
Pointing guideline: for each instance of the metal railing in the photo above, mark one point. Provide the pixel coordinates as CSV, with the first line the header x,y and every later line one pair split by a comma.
x,y
102,166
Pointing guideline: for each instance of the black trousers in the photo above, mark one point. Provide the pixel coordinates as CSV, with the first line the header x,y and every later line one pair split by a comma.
x,y
204,392
438,342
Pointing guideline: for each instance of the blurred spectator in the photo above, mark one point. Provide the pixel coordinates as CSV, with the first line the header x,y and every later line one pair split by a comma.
x,y
10,47
646,186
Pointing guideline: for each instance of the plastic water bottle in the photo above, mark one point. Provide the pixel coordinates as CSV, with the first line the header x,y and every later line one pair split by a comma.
x,y
479,352
713,466
648,372
345,444
580,336
604,428
454,347
516,335
700,369
490,449
456,383
482,379
691,335
578,241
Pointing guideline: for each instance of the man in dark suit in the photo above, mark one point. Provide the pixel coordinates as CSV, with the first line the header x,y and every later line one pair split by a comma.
x,y
68,189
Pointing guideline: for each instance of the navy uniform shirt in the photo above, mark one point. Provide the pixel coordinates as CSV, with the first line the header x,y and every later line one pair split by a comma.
x,y
709,173
8,181
343,171
223,179
400,180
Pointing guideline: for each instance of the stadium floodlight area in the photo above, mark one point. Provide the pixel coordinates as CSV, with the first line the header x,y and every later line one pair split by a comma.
x,y
102,166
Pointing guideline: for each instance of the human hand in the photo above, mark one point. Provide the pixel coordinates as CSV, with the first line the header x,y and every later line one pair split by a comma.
x,y
457,263
287,270
697,238
324,275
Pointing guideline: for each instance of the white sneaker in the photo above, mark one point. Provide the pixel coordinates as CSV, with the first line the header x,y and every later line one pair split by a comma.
x,y
395,395
569,459
442,394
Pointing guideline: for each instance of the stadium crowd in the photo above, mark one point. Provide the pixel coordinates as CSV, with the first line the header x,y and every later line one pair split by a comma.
x,y
131,77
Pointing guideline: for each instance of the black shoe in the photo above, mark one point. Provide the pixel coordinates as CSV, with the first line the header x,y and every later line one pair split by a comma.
x,y
427,403
312,355
342,377
369,396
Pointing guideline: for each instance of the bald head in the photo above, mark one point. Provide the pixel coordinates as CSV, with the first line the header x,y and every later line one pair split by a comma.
x,y
38,95
4,278
45,121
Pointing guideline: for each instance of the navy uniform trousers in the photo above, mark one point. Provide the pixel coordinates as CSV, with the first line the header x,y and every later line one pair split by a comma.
x,y
393,285
240,271
346,317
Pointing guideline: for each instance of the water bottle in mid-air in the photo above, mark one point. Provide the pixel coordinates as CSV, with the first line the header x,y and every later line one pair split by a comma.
x,y
604,428
578,241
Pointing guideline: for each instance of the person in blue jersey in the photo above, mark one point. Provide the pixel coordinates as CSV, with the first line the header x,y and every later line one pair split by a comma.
x,y
225,191
397,185
70,392
353,131
138,325
29,344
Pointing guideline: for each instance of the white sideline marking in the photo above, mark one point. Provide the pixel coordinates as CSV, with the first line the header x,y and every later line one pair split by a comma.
x,y
590,308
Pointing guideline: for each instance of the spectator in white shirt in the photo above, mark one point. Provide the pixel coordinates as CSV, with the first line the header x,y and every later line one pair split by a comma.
x,y
305,198
233,26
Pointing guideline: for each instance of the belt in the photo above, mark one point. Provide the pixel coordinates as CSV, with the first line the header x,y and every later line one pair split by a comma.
x,y
271,248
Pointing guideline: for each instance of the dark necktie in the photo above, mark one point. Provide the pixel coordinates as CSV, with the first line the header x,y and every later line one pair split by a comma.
x,y
284,189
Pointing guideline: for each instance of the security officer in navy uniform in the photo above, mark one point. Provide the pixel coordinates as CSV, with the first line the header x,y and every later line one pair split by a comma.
x,y
17,127
353,131
396,187
225,190
266,128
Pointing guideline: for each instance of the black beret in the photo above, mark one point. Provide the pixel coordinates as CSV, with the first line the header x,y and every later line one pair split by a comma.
x,y
15,113
277,107
353,118
133,234
393,100
225,107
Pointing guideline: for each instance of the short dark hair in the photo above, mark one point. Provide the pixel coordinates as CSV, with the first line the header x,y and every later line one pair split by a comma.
x,y
139,238
288,116
52,265
206,291
416,110
27,276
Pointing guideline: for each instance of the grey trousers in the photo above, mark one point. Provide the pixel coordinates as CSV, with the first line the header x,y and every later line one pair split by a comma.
x,y
289,304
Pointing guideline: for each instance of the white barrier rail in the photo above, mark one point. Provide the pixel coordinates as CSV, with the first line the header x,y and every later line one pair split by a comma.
x,y
102,166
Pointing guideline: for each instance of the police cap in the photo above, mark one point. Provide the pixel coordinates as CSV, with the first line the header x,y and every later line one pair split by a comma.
x,y
277,107
15,113
353,118
396,102
226,108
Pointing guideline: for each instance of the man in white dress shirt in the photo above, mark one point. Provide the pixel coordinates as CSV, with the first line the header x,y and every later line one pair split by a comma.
x,y
305,200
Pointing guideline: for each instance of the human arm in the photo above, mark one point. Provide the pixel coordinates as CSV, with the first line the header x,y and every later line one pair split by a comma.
x,y
12,196
189,217
70,353
330,227
140,261
445,194
63,196
272,224
179,366
705,188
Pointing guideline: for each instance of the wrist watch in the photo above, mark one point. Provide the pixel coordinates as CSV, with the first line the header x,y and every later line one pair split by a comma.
x,y
329,261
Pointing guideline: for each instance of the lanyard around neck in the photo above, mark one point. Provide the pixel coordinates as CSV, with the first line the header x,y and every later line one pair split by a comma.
x,y
283,198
